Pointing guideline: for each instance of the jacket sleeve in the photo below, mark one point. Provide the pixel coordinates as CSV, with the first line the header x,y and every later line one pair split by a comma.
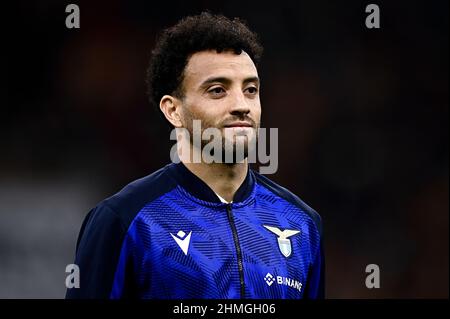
x,y
97,254
315,288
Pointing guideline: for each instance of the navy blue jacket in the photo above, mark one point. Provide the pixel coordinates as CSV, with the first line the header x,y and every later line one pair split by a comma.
x,y
169,236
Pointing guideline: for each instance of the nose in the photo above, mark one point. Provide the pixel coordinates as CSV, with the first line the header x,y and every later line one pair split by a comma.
x,y
240,106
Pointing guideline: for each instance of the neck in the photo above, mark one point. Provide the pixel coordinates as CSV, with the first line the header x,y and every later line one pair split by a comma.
x,y
223,179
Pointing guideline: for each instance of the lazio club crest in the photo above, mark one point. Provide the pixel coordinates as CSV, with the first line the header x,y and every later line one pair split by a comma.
x,y
284,243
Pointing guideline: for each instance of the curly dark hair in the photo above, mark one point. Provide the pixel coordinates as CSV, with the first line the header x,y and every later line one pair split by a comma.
x,y
193,34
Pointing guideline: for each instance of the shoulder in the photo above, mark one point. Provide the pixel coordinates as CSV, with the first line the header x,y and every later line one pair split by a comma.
x,y
126,204
290,197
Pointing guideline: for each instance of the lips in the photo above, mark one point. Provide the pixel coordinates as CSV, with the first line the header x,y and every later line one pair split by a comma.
x,y
239,124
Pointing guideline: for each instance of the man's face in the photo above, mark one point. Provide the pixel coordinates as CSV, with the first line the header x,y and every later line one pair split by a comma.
x,y
222,90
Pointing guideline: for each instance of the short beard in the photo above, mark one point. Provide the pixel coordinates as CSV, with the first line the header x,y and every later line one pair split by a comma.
x,y
234,148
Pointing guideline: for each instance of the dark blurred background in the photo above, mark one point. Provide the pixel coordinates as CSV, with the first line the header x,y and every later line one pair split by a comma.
x,y
362,117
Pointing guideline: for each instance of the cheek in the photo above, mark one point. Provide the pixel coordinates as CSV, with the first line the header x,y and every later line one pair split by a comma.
x,y
209,112
196,110
256,110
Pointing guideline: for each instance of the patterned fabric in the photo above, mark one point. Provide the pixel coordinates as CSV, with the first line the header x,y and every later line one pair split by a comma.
x,y
169,236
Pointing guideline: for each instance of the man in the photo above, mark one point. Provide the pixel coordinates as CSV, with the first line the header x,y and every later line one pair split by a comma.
x,y
203,229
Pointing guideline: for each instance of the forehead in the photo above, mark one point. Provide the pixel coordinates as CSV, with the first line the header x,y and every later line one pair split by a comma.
x,y
205,64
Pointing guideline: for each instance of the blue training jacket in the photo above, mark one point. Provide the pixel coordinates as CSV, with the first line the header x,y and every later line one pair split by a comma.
x,y
169,236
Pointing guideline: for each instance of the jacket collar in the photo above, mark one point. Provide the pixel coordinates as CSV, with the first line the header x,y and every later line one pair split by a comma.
x,y
198,188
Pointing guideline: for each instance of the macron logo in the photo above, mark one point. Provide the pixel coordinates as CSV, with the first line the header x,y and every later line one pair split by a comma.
x,y
182,240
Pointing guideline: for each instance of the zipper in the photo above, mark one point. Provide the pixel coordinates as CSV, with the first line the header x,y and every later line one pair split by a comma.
x,y
238,250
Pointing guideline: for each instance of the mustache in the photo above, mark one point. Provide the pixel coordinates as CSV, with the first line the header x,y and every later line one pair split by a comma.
x,y
231,121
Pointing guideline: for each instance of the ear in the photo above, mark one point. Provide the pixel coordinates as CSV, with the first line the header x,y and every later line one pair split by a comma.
x,y
171,108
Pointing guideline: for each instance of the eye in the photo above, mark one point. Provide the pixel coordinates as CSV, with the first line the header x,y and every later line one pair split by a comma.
x,y
216,91
252,90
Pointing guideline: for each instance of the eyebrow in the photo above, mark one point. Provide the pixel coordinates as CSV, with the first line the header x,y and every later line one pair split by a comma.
x,y
226,81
